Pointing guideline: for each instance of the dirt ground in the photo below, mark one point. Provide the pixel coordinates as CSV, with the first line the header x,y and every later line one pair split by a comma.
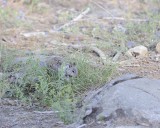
x,y
48,16
14,115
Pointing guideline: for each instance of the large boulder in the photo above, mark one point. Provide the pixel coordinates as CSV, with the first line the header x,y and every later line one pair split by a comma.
x,y
128,99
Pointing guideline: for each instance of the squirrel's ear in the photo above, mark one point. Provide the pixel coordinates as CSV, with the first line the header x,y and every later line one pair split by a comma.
x,y
73,63
70,65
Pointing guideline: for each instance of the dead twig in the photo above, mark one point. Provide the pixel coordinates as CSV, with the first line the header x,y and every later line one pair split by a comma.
x,y
135,65
32,34
125,19
74,20
99,52
117,18
102,7
115,58
46,112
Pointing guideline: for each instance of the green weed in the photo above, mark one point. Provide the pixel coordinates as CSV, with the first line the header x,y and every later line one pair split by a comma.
x,y
37,85
9,18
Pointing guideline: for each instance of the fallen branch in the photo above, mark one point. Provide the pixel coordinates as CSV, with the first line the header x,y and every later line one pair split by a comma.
x,y
125,19
49,112
46,112
31,34
74,20
99,52
117,18
101,7
135,65
116,57
69,36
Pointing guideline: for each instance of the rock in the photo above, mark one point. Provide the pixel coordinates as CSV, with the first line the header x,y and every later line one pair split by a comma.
x,y
9,102
158,47
120,28
135,99
155,58
152,47
130,44
140,51
82,126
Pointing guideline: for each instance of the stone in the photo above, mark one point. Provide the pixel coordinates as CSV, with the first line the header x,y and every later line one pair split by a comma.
x,y
120,28
82,126
152,47
140,51
9,102
132,98
130,44
158,47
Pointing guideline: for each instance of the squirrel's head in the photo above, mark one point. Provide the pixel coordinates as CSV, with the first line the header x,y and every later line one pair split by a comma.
x,y
71,70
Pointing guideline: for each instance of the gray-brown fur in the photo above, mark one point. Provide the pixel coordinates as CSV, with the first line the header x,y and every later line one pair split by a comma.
x,y
56,64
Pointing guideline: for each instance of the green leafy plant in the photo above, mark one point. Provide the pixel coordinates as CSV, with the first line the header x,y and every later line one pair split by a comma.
x,y
48,88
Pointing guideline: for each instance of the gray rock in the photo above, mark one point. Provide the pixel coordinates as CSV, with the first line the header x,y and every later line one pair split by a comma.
x,y
130,44
141,51
133,98
120,28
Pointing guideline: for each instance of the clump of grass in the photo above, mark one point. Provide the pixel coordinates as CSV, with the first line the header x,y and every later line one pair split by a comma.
x,y
33,6
4,86
36,85
90,76
9,18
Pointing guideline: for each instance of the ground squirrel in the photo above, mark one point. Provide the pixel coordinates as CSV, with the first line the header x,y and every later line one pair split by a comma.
x,y
57,64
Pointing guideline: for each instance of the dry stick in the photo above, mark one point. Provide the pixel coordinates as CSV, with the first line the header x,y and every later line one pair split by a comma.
x,y
75,19
116,57
102,8
99,52
136,65
124,19
117,18
46,112
60,28
31,34
103,20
